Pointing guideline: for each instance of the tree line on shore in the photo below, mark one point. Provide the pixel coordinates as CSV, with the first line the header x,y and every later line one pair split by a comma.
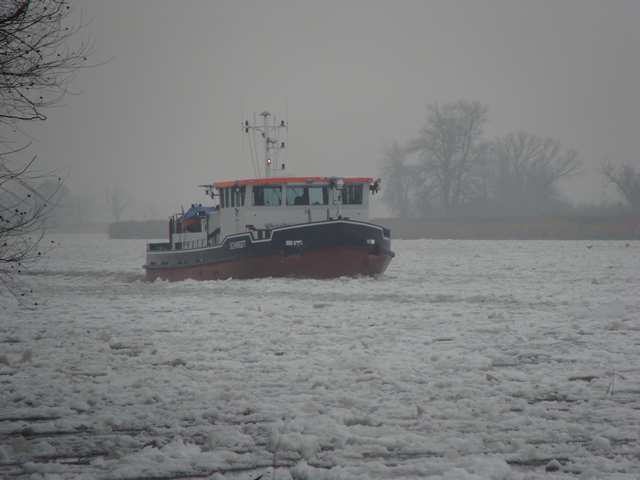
x,y
450,169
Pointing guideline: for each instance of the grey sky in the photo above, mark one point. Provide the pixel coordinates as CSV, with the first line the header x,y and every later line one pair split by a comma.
x,y
163,116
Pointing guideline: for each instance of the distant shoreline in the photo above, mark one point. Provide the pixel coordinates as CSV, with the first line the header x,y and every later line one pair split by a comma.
x,y
624,227
507,228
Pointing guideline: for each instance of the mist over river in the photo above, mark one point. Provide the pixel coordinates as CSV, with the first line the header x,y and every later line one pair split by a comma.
x,y
465,360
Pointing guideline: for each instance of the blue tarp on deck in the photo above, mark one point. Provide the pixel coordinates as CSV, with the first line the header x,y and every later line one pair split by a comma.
x,y
198,211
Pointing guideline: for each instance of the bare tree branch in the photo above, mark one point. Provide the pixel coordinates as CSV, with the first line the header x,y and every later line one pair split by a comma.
x,y
36,61
626,178
526,169
37,64
450,143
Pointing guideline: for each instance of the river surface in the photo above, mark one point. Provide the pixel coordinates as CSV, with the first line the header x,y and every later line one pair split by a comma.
x,y
466,360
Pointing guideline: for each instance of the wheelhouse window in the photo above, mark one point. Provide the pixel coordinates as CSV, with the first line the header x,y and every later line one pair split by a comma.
x,y
232,197
267,196
297,196
237,196
318,196
302,195
352,194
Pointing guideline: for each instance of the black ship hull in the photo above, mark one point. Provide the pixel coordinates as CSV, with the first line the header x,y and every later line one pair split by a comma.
x,y
325,249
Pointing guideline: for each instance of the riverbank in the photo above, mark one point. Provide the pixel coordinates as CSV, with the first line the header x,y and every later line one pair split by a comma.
x,y
623,227
536,228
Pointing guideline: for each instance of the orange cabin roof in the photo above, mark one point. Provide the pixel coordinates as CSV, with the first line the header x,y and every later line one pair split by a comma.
x,y
289,180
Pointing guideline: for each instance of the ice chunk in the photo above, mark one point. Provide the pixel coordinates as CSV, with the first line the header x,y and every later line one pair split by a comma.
x,y
600,444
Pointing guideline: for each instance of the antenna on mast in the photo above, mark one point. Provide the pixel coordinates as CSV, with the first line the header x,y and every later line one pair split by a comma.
x,y
272,134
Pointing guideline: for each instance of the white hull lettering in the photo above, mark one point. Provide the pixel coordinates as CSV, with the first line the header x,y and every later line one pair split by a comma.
x,y
237,245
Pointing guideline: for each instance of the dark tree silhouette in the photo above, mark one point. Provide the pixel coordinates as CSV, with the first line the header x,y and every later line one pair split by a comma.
x,y
450,145
626,178
397,178
117,201
23,211
37,64
525,170
37,61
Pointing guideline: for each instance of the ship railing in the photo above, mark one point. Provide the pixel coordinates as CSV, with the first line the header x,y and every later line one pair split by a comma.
x,y
158,247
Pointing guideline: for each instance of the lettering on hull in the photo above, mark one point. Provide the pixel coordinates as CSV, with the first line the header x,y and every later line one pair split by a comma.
x,y
237,244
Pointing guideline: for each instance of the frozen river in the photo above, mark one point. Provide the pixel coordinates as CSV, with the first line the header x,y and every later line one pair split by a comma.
x,y
467,360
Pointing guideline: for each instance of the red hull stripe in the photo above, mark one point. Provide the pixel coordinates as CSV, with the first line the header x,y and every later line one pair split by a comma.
x,y
288,180
327,263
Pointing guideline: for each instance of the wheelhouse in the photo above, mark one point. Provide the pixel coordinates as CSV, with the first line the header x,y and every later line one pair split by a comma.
x,y
260,205
292,191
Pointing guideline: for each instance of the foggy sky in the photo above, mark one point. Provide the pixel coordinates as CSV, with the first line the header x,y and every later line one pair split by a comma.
x,y
163,116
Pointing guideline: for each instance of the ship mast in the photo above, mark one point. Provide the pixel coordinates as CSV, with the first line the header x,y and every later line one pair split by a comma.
x,y
272,135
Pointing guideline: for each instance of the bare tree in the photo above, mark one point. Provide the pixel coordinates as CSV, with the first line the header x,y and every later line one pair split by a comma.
x,y
23,210
526,170
57,196
397,177
37,63
626,178
451,144
118,201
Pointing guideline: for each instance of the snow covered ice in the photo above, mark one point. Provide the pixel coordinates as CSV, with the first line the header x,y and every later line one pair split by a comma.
x,y
467,360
